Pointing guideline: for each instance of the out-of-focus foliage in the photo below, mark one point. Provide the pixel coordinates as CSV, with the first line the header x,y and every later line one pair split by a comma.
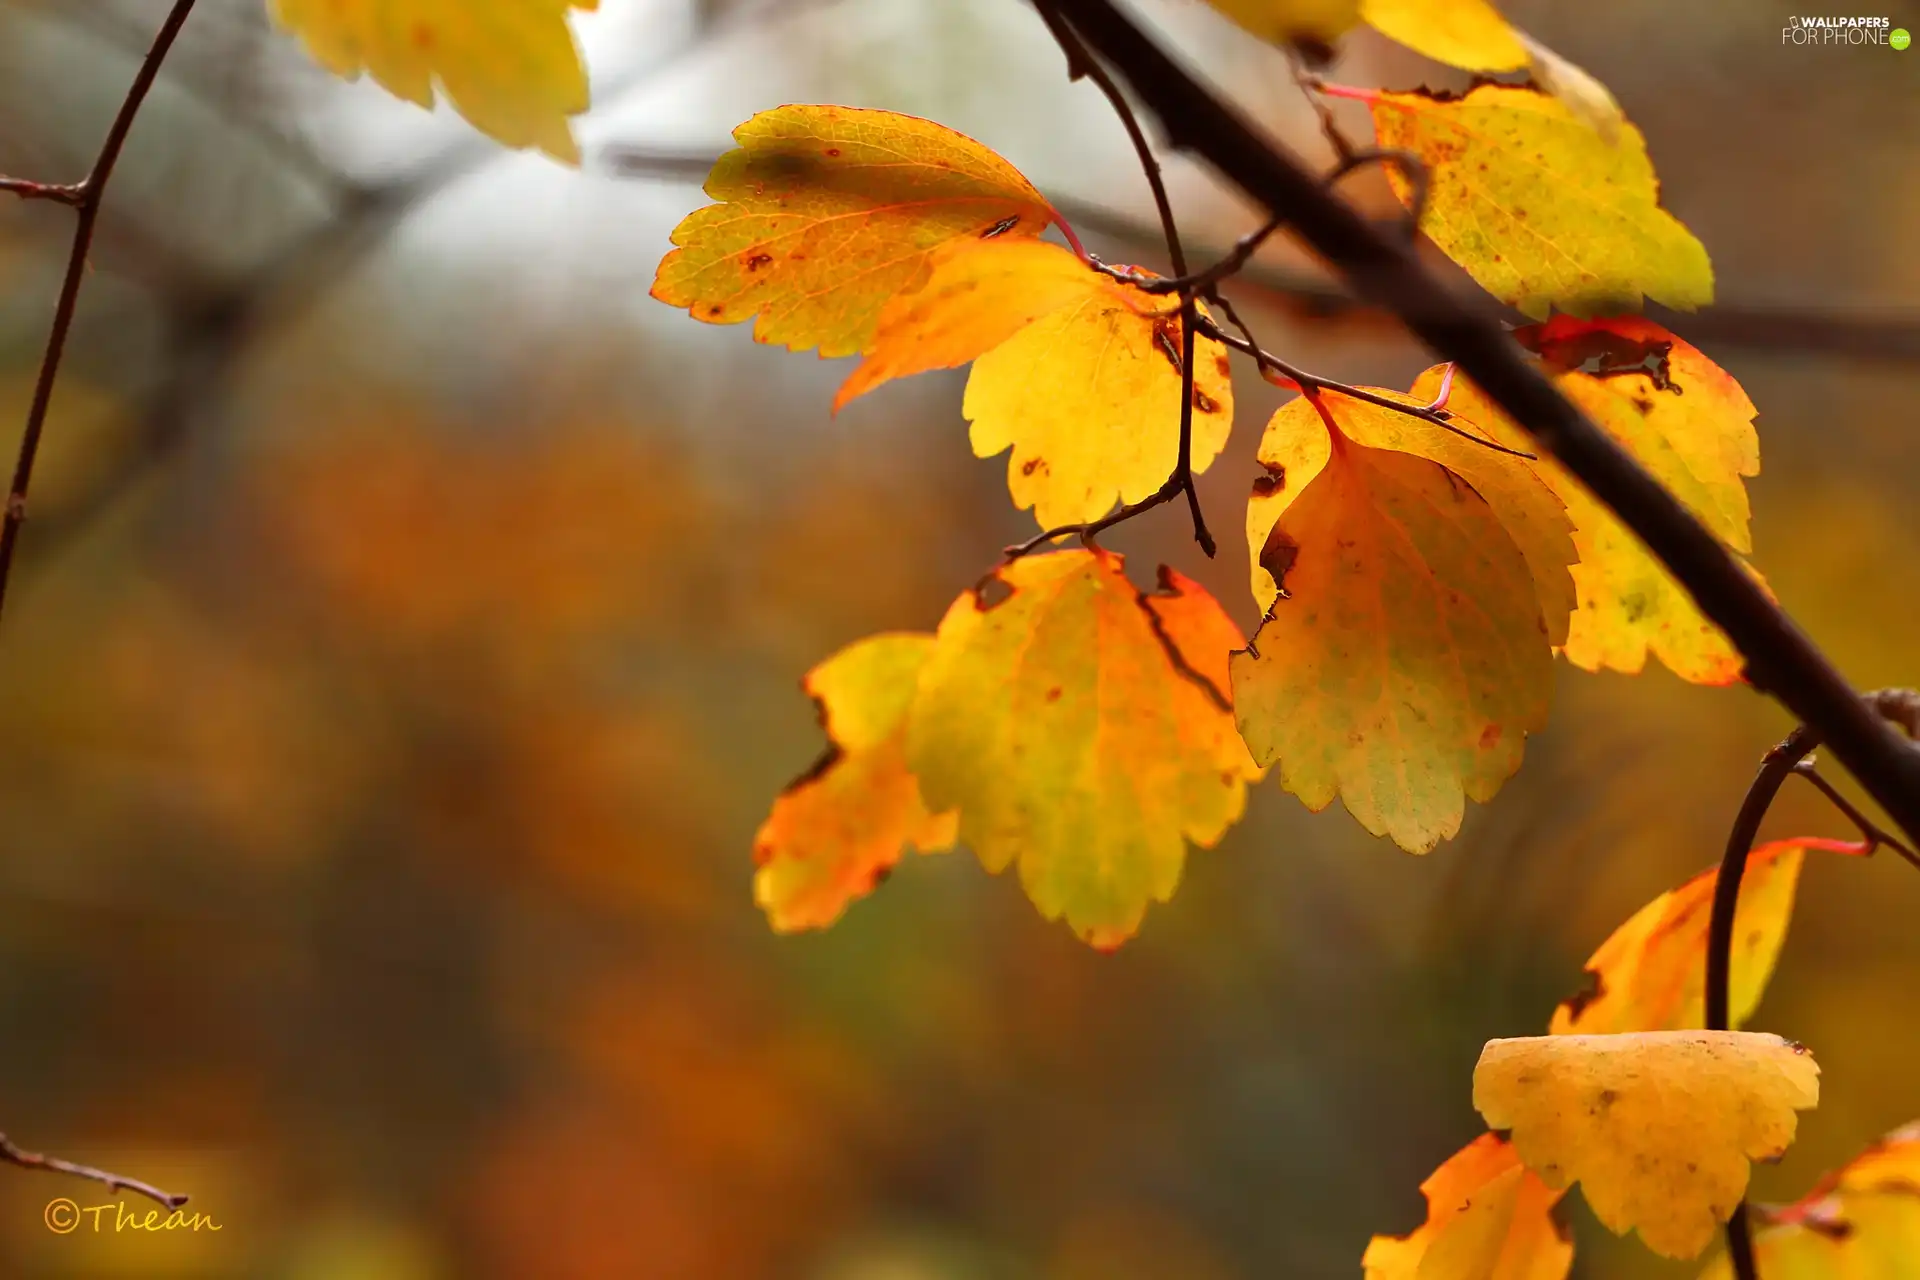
x,y
509,66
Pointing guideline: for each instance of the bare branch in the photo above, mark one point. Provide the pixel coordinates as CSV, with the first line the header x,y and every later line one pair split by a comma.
x,y
113,1182
89,195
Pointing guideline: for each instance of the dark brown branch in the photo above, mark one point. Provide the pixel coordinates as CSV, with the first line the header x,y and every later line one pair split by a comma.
x,y
90,193
1780,659
113,1182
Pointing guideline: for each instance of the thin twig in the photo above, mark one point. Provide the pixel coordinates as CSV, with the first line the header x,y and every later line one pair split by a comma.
x,y
1202,282
68,194
1413,172
1870,831
91,192
113,1182
1436,413
1081,63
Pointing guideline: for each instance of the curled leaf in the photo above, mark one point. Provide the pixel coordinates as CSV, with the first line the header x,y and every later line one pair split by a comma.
x,y
511,67
836,832
1080,728
826,212
1657,1127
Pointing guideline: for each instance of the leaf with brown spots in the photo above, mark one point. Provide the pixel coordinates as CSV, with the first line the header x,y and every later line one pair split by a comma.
x,y
1537,206
827,212
1080,727
1489,1217
511,67
1651,973
1687,422
1658,1127
1861,1222
1087,397
1286,22
836,832
1405,658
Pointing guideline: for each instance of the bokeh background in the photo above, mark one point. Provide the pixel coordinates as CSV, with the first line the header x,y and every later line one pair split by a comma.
x,y
405,647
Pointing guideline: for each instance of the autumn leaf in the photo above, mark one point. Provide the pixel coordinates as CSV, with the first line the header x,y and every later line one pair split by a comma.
x,y
1658,1127
1088,399
511,67
1293,21
1294,450
1461,33
1489,1217
1539,208
1081,729
827,212
1650,974
1861,1222
837,831
1407,658
1687,422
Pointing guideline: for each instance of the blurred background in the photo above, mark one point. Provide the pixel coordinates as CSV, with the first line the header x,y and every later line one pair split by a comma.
x,y
407,639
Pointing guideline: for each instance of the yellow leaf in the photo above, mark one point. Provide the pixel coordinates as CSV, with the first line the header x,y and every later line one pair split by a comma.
x,y
827,212
511,67
1651,973
1406,659
1080,728
1088,398
978,294
1293,21
1860,1223
837,831
1658,1127
1461,33
1539,208
1489,1217
1294,449
1686,421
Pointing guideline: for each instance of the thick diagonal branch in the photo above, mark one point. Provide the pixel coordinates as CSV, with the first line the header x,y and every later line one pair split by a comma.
x,y
1382,268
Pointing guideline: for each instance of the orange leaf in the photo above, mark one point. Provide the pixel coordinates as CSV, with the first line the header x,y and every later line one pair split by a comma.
x,y
979,293
1691,425
827,212
1406,658
1651,973
836,832
1489,1217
